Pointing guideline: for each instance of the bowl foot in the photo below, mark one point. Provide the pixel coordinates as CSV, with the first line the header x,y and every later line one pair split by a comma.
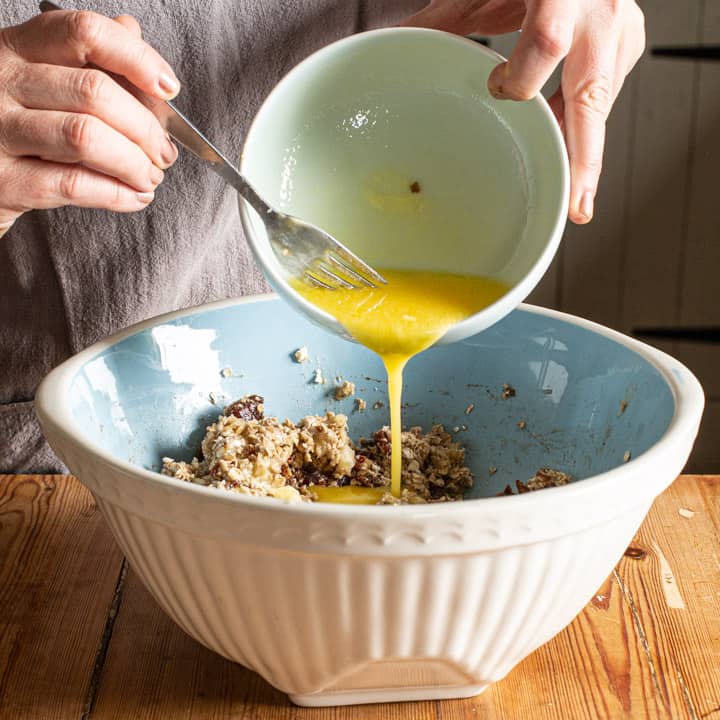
x,y
385,695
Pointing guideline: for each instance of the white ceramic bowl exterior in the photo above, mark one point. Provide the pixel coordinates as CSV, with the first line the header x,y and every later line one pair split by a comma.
x,y
342,136
338,605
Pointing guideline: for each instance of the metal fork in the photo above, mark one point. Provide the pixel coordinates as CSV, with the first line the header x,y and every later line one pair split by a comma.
x,y
304,250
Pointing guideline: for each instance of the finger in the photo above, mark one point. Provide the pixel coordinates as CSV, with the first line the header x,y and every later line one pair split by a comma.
x,y
29,184
588,84
493,17
78,38
546,37
130,24
77,138
51,87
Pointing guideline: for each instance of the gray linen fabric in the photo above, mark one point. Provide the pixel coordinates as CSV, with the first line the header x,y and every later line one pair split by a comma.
x,y
71,276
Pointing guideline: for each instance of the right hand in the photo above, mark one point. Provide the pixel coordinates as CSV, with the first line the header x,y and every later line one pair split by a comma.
x,y
69,134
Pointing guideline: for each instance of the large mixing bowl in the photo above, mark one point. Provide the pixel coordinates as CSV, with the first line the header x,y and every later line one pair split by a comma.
x,y
342,604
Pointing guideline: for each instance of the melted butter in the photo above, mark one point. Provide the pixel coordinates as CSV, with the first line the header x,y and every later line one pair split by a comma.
x,y
397,321
349,494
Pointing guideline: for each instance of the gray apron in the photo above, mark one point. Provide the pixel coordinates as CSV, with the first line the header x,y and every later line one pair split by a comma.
x,y
71,276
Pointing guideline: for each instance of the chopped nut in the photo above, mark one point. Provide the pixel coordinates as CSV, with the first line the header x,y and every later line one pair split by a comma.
x,y
469,409
686,512
415,187
317,377
492,470
377,405
544,478
623,407
521,424
547,477
250,407
627,456
360,404
456,429
508,391
226,372
213,398
301,355
521,487
345,390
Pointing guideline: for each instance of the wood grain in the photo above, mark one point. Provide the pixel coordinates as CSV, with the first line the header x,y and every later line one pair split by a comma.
x,y
58,569
626,656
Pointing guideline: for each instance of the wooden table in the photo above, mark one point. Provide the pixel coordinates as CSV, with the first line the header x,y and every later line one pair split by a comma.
x,y
81,638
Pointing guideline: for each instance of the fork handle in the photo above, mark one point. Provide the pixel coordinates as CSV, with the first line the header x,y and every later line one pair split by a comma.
x,y
181,129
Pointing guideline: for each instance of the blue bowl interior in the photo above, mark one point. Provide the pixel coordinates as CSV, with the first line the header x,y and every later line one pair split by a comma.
x,y
148,395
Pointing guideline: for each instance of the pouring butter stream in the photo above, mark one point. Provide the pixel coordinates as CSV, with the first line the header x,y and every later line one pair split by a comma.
x,y
397,321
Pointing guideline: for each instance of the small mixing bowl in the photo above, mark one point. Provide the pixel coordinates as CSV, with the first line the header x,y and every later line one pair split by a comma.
x,y
345,604
391,141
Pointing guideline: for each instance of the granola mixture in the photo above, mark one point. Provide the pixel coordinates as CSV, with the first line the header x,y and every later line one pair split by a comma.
x,y
246,452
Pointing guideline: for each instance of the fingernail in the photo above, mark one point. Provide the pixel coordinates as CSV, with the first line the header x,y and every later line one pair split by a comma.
x,y
146,197
586,204
169,85
156,175
168,153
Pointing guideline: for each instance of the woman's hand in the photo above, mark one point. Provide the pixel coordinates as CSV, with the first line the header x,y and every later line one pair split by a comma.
x,y
600,40
69,134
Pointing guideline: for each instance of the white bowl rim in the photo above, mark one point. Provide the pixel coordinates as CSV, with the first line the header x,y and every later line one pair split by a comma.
x,y
516,293
54,411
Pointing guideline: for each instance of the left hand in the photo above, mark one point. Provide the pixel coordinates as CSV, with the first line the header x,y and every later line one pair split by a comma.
x,y
600,40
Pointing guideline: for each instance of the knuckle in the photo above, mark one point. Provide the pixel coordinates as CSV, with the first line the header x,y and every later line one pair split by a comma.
x,y
595,96
92,87
70,183
552,40
615,7
116,197
154,134
84,27
78,133
141,55
592,164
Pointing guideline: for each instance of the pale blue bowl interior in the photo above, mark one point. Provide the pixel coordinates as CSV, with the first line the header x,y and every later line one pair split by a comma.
x,y
148,395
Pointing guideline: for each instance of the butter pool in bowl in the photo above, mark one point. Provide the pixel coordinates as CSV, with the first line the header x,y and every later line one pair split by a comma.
x,y
339,604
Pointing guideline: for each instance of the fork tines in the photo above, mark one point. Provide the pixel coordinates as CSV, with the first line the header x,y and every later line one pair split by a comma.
x,y
342,269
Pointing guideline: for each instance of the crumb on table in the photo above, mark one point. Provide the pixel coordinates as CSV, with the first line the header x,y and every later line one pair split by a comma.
x,y
226,372
415,187
469,408
301,355
522,424
378,404
317,377
360,404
